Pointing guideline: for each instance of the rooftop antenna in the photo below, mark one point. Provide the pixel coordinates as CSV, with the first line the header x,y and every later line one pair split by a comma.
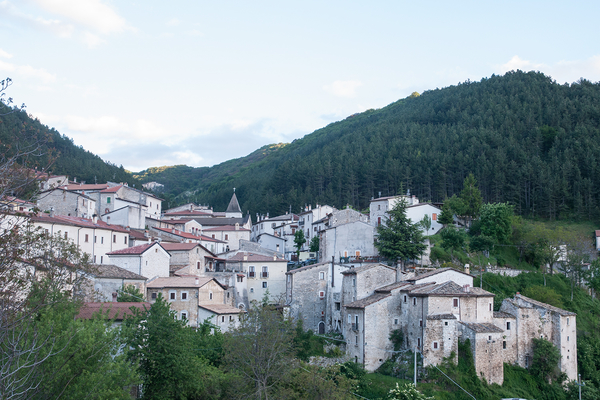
x,y
233,190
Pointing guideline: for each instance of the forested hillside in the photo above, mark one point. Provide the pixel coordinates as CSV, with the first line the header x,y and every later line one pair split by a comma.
x,y
52,151
528,140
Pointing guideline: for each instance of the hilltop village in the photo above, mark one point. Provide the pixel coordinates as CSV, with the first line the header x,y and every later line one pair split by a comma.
x,y
216,264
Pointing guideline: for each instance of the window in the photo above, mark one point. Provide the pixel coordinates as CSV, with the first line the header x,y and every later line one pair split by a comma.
x,y
264,285
321,275
108,200
230,318
405,298
454,303
293,231
420,322
226,237
357,253
419,342
378,206
395,321
490,306
434,217
567,321
184,295
251,290
172,295
356,339
508,325
101,257
265,272
414,301
213,236
353,282
321,294
198,265
435,345
223,318
114,238
338,306
504,344
184,315
95,238
125,240
251,271
94,259
102,240
446,323
153,296
567,338
349,318
378,221
87,238
210,295
489,337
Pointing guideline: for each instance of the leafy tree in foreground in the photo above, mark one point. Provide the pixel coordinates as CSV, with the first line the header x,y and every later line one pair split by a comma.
x,y
261,351
453,239
407,391
314,244
426,224
130,294
446,216
299,240
544,363
163,346
399,238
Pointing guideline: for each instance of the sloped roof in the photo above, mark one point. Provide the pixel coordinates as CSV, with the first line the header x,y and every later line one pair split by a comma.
x,y
306,267
437,271
186,213
112,271
113,189
79,186
501,314
367,301
180,282
557,310
390,287
485,327
116,310
362,268
221,308
239,256
77,221
226,228
441,316
220,221
234,206
451,288
135,250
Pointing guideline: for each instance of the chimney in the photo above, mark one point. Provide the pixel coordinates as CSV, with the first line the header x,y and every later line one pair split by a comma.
x,y
309,207
114,296
274,257
172,230
467,269
51,211
467,288
95,218
245,258
237,226
197,281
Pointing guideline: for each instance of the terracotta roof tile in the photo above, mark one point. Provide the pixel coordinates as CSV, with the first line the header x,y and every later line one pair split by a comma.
x,y
482,327
179,282
77,221
221,308
135,250
239,256
226,228
116,310
367,301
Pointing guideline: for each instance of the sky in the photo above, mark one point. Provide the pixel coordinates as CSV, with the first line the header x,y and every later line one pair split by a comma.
x,y
151,83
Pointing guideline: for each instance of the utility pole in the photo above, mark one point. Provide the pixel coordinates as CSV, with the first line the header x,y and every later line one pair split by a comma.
x,y
580,384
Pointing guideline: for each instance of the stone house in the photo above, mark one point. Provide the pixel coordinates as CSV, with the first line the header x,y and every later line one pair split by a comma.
x,y
271,242
195,299
309,217
106,279
183,224
64,202
215,246
14,204
230,234
265,224
347,242
265,274
534,319
150,260
379,207
190,258
313,294
92,236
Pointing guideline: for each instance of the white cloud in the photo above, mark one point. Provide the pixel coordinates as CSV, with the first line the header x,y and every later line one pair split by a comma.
x,y
563,71
343,88
195,32
173,22
92,14
92,40
5,54
28,71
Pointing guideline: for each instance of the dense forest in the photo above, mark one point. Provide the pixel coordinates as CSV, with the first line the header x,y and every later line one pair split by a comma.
x,y
527,139
48,150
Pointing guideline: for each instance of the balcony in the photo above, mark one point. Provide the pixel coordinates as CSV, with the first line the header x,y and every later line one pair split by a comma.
x,y
355,327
